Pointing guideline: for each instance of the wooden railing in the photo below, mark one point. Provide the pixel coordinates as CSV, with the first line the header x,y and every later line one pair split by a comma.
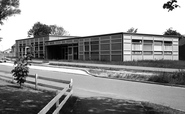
x,y
65,92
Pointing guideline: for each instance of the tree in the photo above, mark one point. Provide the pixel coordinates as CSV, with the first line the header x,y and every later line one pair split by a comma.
x,y
170,5
8,8
170,31
132,30
59,31
39,29
21,70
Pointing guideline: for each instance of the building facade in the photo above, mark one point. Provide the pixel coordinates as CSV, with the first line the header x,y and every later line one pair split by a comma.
x,y
107,47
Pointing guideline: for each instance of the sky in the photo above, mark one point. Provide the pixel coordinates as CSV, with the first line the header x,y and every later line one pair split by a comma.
x,y
93,17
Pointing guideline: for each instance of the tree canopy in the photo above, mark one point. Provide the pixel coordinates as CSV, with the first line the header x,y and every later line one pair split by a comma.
x,y
59,31
170,5
8,8
132,30
40,29
170,31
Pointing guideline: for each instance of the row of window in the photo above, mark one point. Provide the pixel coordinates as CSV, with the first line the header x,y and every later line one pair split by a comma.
x,y
151,52
101,57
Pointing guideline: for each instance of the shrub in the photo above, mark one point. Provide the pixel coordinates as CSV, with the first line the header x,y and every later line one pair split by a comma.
x,y
172,78
21,70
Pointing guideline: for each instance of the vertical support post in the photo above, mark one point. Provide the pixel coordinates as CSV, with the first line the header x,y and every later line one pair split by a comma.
x,y
36,80
57,103
71,84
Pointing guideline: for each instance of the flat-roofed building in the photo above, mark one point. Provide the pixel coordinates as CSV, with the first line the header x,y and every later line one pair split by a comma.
x,y
106,47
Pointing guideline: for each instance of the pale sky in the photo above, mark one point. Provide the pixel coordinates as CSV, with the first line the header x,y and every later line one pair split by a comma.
x,y
93,17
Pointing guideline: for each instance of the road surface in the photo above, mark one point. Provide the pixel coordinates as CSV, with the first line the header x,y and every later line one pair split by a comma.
x,y
89,86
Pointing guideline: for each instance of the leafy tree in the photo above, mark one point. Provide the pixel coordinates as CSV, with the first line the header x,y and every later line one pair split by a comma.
x,y
59,31
39,29
132,30
8,8
170,5
21,70
170,31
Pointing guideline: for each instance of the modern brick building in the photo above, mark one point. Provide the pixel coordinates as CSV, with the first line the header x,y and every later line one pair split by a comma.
x,y
107,47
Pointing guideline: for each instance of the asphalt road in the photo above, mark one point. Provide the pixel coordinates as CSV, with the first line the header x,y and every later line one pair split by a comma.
x,y
89,86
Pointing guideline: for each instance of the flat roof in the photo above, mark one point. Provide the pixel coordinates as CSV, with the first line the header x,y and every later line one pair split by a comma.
x,y
169,36
77,37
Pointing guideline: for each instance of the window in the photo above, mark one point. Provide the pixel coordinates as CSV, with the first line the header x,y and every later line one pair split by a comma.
x,y
158,52
94,47
136,52
168,45
136,46
168,52
147,52
158,46
105,46
105,52
116,46
147,47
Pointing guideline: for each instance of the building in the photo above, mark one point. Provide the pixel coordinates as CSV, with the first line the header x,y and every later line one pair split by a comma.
x,y
107,47
35,45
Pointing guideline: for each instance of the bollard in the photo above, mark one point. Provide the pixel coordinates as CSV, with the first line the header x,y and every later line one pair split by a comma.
x,y
36,83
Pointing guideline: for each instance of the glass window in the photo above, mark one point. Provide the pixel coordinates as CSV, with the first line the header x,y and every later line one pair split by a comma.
x,y
105,46
147,47
105,52
158,42
158,52
105,37
94,47
137,52
168,52
105,57
117,41
116,52
94,42
86,47
116,36
136,46
137,41
105,41
148,41
116,46
116,57
147,52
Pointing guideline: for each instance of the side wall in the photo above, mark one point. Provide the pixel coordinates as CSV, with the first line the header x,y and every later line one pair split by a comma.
x,y
140,47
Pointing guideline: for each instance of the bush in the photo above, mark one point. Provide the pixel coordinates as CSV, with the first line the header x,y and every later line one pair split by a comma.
x,y
172,78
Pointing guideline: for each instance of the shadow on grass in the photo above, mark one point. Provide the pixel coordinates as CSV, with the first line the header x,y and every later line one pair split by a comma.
x,y
16,100
103,105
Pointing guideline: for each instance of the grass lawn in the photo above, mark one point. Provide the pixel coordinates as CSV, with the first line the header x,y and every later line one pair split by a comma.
x,y
15,100
146,63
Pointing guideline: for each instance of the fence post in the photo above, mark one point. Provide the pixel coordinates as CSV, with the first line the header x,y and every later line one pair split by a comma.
x,y
36,82
71,84
57,103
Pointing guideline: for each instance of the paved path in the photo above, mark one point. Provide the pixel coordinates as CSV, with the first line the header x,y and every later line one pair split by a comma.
x,y
85,85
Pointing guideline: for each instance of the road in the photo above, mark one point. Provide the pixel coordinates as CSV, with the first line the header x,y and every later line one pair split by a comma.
x,y
89,86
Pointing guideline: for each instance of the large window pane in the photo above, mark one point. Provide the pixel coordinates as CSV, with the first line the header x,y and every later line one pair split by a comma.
x,y
136,46
158,48
105,46
117,46
116,57
105,57
94,47
147,47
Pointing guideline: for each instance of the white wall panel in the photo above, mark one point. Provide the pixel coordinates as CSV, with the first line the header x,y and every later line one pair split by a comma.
x,y
158,57
147,57
175,57
137,57
167,57
127,58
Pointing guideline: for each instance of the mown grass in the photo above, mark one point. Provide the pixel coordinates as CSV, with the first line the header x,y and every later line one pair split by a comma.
x,y
146,63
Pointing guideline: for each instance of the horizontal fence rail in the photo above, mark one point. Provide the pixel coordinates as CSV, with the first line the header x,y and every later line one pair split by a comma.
x,y
65,92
